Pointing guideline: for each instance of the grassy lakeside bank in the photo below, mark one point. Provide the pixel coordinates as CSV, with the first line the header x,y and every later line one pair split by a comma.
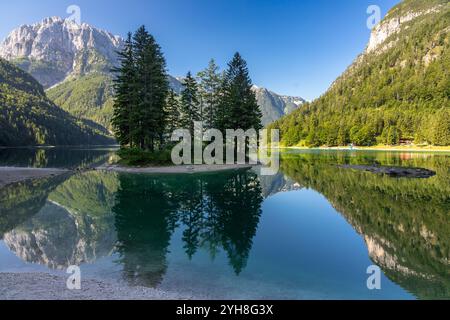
x,y
134,157
377,148
139,161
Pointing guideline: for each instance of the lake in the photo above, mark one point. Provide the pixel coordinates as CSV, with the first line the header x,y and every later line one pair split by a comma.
x,y
309,232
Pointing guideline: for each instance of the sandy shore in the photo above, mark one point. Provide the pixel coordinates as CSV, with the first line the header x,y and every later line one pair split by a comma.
x,y
42,286
203,168
10,175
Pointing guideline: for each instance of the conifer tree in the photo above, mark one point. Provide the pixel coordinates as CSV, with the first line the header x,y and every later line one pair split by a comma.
x,y
209,92
190,104
124,94
172,113
238,108
148,120
342,136
441,128
393,137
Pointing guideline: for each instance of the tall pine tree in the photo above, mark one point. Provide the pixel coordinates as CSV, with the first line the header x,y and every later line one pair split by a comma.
x,y
238,108
124,94
190,106
210,81
173,120
148,120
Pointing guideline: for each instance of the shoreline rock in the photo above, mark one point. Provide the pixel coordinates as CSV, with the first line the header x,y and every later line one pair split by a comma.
x,y
394,172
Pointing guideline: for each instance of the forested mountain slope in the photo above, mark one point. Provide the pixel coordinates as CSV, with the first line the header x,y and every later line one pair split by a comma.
x,y
28,117
398,89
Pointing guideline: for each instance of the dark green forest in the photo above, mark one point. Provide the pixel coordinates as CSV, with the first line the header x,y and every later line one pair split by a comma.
x,y
399,93
28,117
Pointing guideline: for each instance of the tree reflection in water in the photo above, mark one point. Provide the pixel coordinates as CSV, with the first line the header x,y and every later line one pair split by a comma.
x,y
214,211
404,222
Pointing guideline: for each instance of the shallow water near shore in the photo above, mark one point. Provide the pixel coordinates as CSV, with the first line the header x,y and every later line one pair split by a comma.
x,y
309,232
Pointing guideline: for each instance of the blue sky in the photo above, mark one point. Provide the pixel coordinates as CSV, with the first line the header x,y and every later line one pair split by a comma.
x,y
294,47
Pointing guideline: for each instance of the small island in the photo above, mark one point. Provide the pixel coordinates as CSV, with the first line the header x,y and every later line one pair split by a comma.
x,y
182,169
147,112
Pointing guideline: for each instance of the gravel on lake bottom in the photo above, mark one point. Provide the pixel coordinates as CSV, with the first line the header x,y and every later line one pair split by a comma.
x,y
42,286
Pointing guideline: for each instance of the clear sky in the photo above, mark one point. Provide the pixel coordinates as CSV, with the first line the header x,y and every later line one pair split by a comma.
x,y
294,47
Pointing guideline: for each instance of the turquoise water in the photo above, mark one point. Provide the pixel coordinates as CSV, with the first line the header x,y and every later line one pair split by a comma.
x,y
309,232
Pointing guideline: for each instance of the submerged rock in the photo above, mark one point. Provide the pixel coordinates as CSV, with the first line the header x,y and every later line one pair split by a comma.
x,y
395,172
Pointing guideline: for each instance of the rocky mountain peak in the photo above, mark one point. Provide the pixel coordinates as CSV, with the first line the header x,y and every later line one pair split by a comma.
x,y
55,48
274,106
393,24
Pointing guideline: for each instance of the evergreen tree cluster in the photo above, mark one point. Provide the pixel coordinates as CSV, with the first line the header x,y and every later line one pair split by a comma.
x,y
220,100
147,111
141,90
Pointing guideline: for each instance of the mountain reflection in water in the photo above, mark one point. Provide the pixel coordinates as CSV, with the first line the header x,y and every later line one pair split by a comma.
x,y
78,219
